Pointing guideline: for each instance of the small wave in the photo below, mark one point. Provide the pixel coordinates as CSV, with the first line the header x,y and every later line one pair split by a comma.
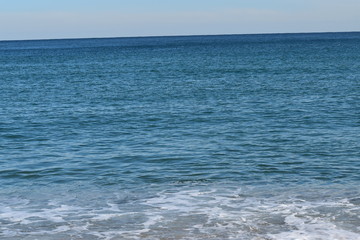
x,y
189,212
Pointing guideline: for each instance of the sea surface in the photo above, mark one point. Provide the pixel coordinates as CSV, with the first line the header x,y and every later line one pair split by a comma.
x,y
246,137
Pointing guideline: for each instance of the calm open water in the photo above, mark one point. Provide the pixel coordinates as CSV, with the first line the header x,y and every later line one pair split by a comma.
x,y
203,137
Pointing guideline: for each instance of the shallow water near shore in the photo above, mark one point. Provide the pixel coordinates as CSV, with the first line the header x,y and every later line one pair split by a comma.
x,y
201,137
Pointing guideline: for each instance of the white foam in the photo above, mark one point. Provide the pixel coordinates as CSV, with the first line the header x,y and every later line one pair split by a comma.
x,y
237,214
152,220
316,229
218,213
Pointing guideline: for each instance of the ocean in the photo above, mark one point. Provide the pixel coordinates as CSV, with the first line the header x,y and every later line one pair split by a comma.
x,y
247,137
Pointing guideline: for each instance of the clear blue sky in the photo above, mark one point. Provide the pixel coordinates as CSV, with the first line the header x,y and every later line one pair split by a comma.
x,y
39,19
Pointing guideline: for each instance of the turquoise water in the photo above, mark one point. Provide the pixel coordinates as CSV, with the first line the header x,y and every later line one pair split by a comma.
x,y
202,137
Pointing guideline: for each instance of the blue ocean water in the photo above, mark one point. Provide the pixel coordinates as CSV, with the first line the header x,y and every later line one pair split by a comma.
x,y
199,137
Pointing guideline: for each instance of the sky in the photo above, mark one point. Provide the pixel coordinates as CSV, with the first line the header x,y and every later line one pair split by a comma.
x,y
53,19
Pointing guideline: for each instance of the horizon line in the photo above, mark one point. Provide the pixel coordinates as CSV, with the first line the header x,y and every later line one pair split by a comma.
x,y
179,35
